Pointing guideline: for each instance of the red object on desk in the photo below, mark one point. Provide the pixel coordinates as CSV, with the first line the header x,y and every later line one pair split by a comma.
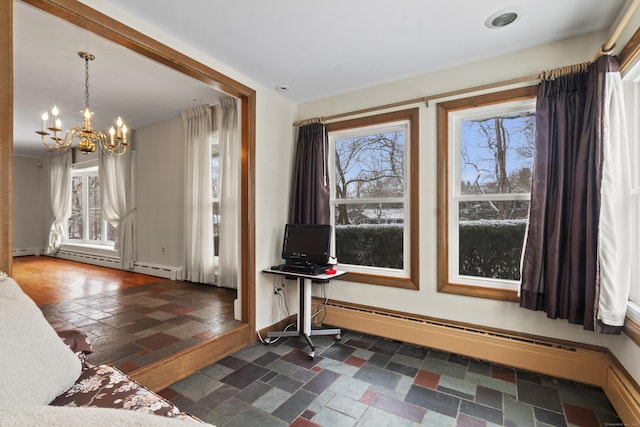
x,y
330,271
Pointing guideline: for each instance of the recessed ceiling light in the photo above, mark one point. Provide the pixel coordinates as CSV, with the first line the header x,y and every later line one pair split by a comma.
x,y
282,88
502,18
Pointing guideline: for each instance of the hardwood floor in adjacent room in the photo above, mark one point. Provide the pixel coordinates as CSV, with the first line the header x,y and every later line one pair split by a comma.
x,y
132,319
49,280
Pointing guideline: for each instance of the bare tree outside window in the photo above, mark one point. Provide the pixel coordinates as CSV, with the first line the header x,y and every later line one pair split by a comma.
x,y
75,224
495,163
369,198
86,225
215,194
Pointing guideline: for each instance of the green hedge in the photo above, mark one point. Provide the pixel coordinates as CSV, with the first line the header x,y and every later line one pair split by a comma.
x,y
487,249
491,250
379,245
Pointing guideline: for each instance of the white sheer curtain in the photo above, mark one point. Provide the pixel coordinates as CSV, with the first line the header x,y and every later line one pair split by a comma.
x,y
615,239
60,195
116,185
230,209
198,251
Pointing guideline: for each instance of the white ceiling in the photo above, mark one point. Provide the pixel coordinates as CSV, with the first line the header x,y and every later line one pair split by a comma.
x,y
316,48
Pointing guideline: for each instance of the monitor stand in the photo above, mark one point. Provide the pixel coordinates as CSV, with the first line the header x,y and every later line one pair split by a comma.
x,y
304,315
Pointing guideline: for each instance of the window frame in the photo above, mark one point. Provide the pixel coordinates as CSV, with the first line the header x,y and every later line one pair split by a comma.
x,y
86,170
373,275
446,283
631,86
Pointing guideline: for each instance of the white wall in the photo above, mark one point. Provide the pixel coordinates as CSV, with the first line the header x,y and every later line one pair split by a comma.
x,y
31,209
159,193
427,301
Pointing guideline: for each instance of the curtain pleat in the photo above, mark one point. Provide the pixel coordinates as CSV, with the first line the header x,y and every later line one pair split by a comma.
x,y
60,196
310,187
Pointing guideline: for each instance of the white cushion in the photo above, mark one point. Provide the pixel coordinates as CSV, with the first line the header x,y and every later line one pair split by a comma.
x,y
63,416
35,365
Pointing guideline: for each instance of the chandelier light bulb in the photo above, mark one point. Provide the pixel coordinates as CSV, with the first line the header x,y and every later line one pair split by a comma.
x,y
45,117
58,124
54,111
87,113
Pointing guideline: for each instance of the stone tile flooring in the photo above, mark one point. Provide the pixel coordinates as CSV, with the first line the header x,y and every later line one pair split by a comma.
x,y
368,381
134,327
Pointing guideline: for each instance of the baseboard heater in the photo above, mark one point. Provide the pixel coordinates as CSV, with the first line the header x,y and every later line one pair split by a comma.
x,y
163,271
26,252
167,272
578,362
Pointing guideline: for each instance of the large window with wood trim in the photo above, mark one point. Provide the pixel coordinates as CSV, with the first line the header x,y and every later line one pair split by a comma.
x,y
374,197
485,147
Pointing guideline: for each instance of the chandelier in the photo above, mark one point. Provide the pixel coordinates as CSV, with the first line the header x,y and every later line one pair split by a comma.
x,y
86,137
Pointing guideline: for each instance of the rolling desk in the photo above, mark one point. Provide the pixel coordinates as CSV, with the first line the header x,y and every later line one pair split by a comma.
x,y
304,309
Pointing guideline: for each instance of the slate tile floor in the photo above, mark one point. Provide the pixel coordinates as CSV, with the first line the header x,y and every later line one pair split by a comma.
x,y
136,326
368,381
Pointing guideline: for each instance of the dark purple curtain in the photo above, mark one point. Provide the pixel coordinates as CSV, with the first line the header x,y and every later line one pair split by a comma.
x,y
560,261
310,187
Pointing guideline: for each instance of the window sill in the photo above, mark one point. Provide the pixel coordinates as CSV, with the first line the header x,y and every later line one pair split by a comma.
x,y
372,279
84,248
479,292
632,324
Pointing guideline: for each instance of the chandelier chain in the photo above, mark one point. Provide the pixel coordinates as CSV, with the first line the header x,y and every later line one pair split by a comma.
x,y
86,82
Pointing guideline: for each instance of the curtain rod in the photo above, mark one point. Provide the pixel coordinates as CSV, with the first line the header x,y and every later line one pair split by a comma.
x,y
605,49
610,44
425,99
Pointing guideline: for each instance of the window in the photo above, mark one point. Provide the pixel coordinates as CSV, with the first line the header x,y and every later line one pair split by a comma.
x,y
485,147
215,191
86,225
374,198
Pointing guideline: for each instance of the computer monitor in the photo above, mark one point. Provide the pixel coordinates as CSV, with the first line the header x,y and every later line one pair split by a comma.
x,y
306,243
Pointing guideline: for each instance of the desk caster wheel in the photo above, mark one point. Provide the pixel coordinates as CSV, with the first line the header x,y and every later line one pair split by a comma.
x,y
311,355
338,338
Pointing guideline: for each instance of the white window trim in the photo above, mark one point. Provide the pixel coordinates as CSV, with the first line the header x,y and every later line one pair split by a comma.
x,y
405,126
631,82
455,179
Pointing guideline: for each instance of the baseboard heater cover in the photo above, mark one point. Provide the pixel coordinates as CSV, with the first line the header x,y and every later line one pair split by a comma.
x,y
563,360
163,271
26,251
167,272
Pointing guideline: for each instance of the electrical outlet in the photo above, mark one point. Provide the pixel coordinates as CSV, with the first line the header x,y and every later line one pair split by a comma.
x,y
163,251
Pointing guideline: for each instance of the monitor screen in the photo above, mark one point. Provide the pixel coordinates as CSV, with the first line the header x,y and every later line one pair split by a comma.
x,y
306,243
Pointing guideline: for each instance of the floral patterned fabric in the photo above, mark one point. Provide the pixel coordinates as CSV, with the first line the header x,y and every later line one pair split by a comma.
x,y
105,386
